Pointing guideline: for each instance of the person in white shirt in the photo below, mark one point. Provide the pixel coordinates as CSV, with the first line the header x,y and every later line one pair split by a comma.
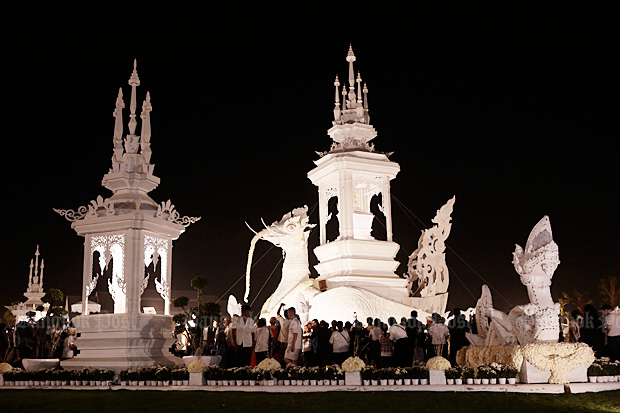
x,y
243,337
398,335
263,337
439,333
340,341
612,329
293,348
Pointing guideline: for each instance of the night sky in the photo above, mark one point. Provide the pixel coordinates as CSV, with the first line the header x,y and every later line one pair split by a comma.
x,y
510,106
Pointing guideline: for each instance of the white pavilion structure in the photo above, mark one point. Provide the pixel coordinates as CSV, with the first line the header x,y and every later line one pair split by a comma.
x,y
126,236
34,293
354,172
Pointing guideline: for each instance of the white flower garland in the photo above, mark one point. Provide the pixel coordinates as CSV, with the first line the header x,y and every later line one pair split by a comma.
x,y
5,368
353,364
269,365
438,363
558,357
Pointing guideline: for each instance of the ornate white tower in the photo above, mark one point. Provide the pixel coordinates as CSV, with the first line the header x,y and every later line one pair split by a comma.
x,y
354,172
127,236
34,293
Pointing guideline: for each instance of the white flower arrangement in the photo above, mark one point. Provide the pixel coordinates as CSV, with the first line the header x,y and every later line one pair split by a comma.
x,y
269,364
5,368
353,364
197,366
473,356
438,363
559,358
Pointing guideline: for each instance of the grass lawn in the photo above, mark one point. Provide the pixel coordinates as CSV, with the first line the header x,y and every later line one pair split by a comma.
x,y
199,401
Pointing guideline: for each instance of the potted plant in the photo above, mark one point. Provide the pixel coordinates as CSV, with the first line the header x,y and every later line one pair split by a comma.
x,y
366,374
468,374
511,373
452,374
192,320
594,371
181,375
122,376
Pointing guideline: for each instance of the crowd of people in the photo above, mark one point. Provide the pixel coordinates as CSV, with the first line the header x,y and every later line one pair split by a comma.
x,y
599,329
244,341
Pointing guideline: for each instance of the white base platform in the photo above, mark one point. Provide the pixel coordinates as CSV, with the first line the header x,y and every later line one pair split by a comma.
x,y
120,341
530,374
510,388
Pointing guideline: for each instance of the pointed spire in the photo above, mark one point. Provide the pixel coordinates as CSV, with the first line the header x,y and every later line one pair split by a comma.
x,y
30,275
365,90
41,277
118,131
337,111
145,138
134,81
359,88
351,59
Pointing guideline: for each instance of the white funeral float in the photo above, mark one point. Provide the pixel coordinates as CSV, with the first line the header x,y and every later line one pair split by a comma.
x,y
128,240
356,271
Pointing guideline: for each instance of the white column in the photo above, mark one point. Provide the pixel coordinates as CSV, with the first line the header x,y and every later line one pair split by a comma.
x,y
133,270
322,215
345,204
87,273
168,279
387,208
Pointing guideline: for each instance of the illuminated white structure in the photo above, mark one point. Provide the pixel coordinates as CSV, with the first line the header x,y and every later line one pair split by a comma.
x,y
129,238
353,172
34,293
529,323
356,271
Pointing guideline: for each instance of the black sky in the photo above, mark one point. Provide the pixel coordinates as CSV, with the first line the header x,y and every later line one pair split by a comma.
x,y
510,106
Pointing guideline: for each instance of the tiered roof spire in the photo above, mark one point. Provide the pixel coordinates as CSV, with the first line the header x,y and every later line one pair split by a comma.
x,y
132,153
353,107
351,130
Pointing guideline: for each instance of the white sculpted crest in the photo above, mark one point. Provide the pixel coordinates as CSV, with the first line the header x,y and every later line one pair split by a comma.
x,y
533,322
427,264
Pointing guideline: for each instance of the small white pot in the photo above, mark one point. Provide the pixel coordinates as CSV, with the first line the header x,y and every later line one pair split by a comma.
x,y
477,381
470,381
458,381
374,382
407,382
313,382
390,382
423,381
450,381
398,382
415,382
485,381
501,380
384,382
493,381
341,382
512,380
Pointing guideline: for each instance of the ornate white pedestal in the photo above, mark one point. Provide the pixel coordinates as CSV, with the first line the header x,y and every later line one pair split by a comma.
x,y
530,374
120,341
